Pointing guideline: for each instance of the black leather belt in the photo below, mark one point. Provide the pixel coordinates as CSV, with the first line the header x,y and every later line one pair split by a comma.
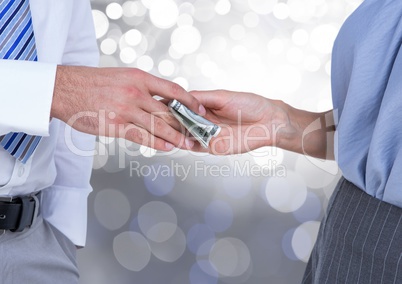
x,y
17,213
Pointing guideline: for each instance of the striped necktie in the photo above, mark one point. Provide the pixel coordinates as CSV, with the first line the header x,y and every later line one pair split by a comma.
x,y
17,42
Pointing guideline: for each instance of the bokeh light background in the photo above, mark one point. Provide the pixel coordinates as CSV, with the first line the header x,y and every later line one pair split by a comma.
x,y
193,218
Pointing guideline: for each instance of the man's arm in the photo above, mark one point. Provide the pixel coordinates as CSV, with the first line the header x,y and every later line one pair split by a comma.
x,y
250,121
64,203
119,102
26,96
32,92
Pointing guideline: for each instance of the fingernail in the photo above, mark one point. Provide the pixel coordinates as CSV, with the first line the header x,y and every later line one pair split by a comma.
x,y
169,146
189,143
201,110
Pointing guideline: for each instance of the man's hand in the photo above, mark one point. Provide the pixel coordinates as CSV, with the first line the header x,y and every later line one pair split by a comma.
x,y
250,121
118,102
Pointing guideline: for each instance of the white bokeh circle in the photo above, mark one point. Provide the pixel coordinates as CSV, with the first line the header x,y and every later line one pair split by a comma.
x,y
132,250
114,11
222,7
157,221
118,212
171,249
101,23
286,194
186,39
304,238
163,13
230,257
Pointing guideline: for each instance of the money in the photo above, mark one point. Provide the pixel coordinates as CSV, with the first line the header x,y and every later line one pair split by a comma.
x,y
202,129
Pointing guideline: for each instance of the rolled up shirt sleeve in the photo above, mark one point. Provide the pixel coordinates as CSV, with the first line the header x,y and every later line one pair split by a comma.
x,y
26,96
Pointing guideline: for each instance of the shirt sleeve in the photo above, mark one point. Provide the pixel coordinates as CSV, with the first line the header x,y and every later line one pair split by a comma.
x,y
25,103
66,201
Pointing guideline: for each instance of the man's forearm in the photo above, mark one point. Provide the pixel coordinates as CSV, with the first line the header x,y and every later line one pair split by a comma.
x,y
124,97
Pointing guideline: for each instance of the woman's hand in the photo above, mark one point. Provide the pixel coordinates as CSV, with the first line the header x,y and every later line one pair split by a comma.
x,y
248,121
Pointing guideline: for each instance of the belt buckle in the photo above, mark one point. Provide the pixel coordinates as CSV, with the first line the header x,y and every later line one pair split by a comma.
x,y
25,201
7,199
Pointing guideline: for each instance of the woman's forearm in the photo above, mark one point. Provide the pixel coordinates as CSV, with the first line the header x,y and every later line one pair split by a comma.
x,y
307,133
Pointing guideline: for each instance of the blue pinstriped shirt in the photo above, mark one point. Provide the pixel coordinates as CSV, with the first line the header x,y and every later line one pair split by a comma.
x,y
367,99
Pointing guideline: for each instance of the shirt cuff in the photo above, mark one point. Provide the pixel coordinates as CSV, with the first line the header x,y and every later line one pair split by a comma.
x,y
26,94
66,209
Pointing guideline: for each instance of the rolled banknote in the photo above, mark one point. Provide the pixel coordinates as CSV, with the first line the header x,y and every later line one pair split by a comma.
x,y
202,129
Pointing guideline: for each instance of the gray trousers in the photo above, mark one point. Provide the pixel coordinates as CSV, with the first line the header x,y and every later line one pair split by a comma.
x,y
40,254
359,241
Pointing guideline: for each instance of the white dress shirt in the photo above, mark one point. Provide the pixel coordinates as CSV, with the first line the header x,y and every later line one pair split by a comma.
x,y
65,35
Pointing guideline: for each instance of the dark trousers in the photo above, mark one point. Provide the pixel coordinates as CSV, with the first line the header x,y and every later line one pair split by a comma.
x,y
359,241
